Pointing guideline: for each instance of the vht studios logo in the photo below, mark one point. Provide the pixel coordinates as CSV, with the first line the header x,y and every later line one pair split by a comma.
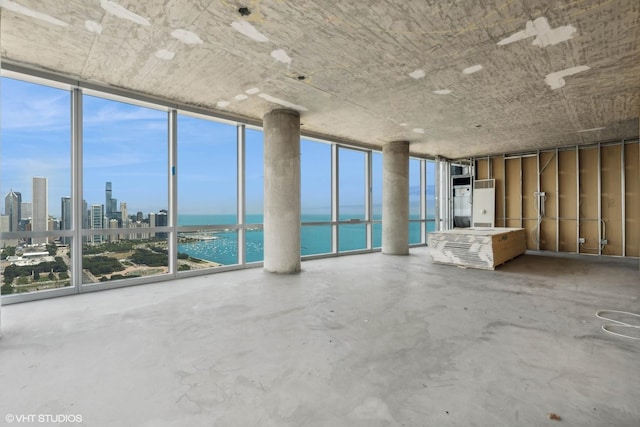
x,y
43,418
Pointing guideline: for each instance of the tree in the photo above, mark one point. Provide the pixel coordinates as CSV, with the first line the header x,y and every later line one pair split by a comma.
x,y
36,275
52,276
6,289
52,249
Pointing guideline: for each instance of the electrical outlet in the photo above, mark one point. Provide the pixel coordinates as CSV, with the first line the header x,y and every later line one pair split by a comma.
x,y
604,242
581,240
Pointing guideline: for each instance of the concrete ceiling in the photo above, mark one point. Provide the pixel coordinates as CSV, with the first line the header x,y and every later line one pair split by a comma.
x,y
455,78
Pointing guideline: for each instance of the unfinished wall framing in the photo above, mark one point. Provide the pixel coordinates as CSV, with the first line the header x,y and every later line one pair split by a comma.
x,y
583,199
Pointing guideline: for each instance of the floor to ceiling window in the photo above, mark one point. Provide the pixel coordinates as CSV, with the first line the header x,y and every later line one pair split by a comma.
x,y
254,194
415,211
376,198
125,188
352,169
207,193
315,177
35,178
430,195
146,192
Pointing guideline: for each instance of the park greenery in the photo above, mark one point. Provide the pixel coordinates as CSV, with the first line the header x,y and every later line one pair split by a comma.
x,y
104,261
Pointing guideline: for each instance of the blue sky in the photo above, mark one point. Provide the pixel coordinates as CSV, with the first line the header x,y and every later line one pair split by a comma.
x,y
127,145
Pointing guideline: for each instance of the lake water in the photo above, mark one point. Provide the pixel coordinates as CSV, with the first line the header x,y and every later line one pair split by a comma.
x,y
315,239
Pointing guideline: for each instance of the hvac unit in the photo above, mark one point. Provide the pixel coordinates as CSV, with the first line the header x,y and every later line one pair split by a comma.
x,y
484,203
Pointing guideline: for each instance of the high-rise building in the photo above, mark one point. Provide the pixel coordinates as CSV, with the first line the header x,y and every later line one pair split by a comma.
x,y
152,223
97,221
4,223
86,214
124,219
13,209
162,221
110,204
124,214
65,221
113,224
40,215
26,210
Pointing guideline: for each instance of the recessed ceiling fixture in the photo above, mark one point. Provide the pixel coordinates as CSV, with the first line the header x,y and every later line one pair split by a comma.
x,y
244,11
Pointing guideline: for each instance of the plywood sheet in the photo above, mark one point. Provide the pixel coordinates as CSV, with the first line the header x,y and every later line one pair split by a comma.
x,y
513,192
548,186
497,167
611,198
567,200
529,202
632,199
588,208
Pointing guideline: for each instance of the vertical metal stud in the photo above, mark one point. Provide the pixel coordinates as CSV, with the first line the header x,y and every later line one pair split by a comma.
x,y
504,191
539,217
521,196
599,199
577,199
557,203
623,189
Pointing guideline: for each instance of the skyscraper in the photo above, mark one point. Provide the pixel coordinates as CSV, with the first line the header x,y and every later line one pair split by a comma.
x,y
162,221
110,204
97,218
13,209
25,212
125,214
40,216
65,222
125,219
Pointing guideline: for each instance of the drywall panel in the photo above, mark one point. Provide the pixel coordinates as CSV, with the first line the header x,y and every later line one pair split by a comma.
x,y
497,169
529,204
567,201
588,208
513,196
632,199
482,168
611,198
548,201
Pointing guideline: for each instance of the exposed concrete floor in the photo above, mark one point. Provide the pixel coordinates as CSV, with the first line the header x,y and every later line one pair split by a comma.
x,y
365,340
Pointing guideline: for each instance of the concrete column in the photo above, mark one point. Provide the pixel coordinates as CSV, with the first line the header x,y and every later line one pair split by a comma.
x,y
395,198
282,191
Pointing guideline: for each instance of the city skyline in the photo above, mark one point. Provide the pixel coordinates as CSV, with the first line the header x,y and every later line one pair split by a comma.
x,y
127,145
